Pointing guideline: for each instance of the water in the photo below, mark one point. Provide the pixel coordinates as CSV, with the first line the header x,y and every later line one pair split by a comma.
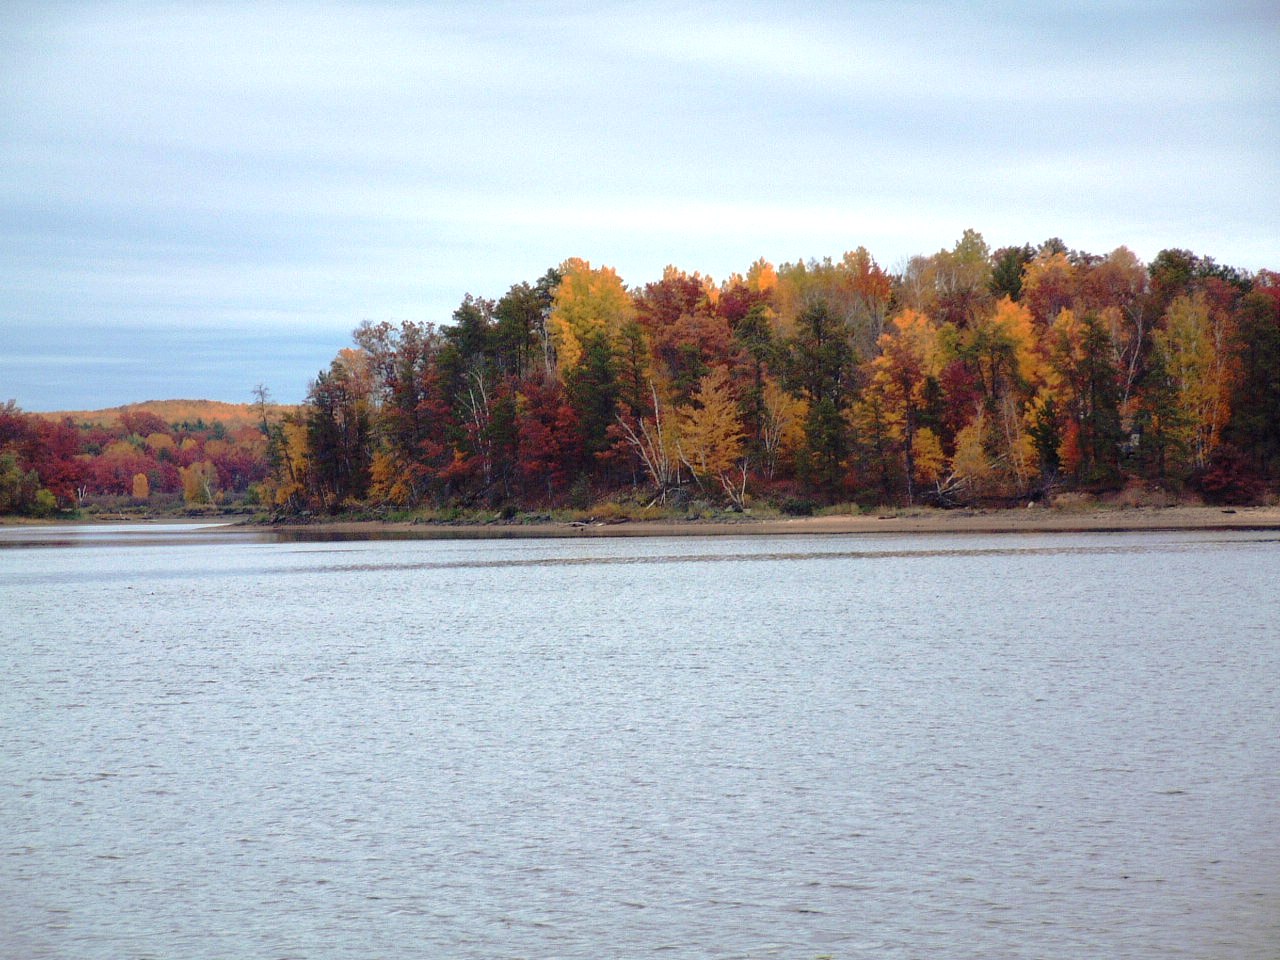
x,y
217,745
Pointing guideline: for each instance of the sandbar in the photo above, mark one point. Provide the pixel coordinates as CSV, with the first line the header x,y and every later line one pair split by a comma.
x,y
1028,520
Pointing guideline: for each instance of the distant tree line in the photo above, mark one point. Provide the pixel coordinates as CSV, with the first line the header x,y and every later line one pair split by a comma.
x,y
51,463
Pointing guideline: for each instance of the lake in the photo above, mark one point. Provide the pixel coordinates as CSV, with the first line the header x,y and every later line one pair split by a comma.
x,y
220,744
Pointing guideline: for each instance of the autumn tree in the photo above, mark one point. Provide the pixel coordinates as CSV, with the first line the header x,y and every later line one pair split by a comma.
x,y
740,295
953,286
288,484
113,470
895,414
549,453
1000,351
1192,352
709,437
1115,288
416,418
589,306
685,330
971,468
199,482
1048,286
1083,382
141,422
52,450
854,290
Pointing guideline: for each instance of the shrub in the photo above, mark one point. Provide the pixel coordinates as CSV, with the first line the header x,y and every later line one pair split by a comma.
x,y
797,507
1230,477
45,505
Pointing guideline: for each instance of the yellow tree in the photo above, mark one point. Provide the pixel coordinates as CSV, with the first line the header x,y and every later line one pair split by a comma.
x,y
392,479
928,459
781,424
199,482
290,458
762,277
159,443
1196,359
1002,351
971,467
710,439
141,486
1049,416
588,304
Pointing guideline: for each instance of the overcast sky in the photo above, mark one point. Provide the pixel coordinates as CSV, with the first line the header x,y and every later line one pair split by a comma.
x,y
195,198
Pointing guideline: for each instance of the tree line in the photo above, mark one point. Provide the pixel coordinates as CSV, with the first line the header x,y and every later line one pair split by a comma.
x,y
972,375
969,376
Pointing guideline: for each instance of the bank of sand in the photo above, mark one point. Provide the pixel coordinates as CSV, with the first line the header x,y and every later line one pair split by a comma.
x,y
1030,520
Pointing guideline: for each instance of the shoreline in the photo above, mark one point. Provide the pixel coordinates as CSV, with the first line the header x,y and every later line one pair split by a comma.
x,y
1104,519
1034,520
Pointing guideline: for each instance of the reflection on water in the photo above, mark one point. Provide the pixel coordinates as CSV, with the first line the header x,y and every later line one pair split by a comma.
x,y
220,744
108,534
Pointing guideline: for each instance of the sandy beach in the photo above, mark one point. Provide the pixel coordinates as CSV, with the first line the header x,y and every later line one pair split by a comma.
x,y
1105,519
1030,520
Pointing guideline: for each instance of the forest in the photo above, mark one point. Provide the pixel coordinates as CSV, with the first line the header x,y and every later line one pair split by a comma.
x,y
970,376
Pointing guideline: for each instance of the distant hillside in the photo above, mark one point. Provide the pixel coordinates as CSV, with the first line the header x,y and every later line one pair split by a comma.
x,y
231,415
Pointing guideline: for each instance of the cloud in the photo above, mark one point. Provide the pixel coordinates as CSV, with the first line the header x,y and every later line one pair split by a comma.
x,y
306,166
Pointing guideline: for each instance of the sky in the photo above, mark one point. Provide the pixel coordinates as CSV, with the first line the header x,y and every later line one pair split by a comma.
x,y
196,198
